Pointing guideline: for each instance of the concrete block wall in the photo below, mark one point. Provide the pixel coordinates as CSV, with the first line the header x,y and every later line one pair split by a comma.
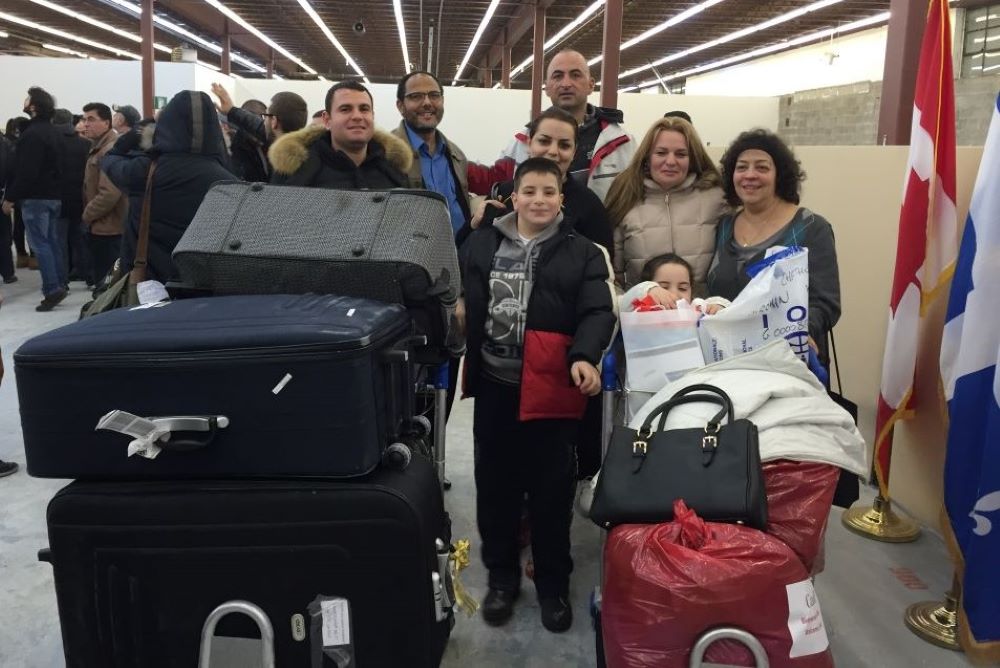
x,y
848,115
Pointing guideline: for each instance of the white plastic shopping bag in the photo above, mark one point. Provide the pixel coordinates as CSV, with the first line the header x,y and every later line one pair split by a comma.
x,y
773,305
660,346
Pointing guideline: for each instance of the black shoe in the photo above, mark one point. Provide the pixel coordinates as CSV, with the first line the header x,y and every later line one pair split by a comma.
x,y
557,616
10,279
50,301
7,468
498,606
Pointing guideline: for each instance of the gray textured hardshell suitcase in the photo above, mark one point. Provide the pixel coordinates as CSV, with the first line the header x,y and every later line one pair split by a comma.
x,y
395,246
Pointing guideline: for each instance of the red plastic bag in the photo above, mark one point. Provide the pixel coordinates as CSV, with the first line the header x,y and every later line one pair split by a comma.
x,y
666,584
799,498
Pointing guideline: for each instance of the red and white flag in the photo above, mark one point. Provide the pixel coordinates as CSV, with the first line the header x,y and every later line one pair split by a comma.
x,y
927,244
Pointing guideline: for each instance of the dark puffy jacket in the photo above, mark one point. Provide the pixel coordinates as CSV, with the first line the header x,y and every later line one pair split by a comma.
x,y
38,160
570,317
249,146
580,206
191,156
75,152
307,158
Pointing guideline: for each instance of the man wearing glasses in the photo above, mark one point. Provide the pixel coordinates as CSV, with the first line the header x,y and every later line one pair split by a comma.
x,y
438,164
287,113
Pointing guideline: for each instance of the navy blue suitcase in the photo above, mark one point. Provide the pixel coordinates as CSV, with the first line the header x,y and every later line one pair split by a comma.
x,y
246,386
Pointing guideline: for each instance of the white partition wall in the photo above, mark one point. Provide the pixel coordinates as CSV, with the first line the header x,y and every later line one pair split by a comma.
x,y
74,81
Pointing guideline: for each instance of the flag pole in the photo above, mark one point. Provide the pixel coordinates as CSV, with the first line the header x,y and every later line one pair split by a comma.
x,y
879,522
937,622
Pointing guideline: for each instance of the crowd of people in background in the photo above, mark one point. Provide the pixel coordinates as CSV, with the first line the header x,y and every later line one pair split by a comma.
x,y
573,206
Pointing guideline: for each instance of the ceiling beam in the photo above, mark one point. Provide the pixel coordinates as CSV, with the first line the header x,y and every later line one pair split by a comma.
x,y
516,28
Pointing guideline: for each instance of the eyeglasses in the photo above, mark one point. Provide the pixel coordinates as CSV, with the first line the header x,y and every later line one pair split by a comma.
x,y
433,96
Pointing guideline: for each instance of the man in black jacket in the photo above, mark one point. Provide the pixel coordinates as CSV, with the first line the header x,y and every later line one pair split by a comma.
x,y
37,187
258,128
348,153
72,234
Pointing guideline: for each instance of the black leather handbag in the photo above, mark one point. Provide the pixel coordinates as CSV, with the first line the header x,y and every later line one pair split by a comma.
x,y
716,469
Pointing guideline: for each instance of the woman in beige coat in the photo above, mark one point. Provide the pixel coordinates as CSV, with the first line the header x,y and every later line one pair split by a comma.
x,y
667,200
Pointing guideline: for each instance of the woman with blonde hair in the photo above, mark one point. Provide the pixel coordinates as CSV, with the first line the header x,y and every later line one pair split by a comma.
x,y
667,200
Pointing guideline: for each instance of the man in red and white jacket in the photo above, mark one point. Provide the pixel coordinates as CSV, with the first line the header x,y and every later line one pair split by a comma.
x,y
603,148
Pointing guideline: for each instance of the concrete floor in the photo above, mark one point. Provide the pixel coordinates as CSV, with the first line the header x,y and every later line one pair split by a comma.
x,y
864,590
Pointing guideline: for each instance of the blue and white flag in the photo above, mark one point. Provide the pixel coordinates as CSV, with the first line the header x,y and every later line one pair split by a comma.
x,y
970,353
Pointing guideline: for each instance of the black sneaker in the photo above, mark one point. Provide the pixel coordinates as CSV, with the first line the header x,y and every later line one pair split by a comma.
x,y
557,616
498,606
7,468
10,279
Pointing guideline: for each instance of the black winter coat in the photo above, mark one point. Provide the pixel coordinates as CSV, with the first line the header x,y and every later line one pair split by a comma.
x,y
76,150
581,206
248,149
191,156
307,158
571,316
38,159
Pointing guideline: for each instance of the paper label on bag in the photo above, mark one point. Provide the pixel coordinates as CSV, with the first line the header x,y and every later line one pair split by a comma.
x,y
805,620
151,292
336,622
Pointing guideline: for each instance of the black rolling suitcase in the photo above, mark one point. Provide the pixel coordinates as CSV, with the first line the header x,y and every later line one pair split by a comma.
x,y
246,386
140,566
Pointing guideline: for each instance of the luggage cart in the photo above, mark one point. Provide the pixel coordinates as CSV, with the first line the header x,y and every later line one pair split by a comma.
x,y
431,413
614,403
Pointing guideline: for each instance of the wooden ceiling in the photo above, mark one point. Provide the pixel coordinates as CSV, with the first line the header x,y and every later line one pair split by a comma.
x,y
447,26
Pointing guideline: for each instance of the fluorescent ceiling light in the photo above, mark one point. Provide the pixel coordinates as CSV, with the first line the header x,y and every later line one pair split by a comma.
x,y
475,38
568,28
397,8
172,27
326,31
66,35
98,24
264,38
669,23
4,34
63,49
766,50
764,25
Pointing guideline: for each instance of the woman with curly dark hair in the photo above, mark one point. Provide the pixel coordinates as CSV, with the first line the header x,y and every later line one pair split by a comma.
x,y
761,176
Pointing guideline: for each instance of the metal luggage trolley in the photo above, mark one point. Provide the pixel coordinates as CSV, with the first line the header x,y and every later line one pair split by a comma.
x,y
614,405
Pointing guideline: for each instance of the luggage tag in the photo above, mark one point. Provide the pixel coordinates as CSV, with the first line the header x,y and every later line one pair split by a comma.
x,y
330,630
144,432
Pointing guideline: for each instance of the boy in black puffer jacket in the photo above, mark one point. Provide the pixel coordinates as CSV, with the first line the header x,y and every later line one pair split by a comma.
x,y
540,312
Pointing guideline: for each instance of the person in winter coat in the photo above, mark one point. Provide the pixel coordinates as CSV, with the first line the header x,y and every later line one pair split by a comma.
x,y
36,186
105,205
348,153
668,200
72,231
540,313
190,156
603,149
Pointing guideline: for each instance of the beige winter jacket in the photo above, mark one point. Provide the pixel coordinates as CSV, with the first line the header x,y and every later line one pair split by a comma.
x,y
680,221
105,208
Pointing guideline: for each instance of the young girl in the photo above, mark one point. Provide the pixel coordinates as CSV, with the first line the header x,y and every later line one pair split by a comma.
x,y
667,279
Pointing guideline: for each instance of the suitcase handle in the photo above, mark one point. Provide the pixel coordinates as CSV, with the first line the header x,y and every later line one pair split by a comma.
x,y
250,610
187,423
728,633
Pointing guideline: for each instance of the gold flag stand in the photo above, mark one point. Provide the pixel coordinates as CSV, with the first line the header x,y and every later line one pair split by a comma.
x,y
880,523
937,622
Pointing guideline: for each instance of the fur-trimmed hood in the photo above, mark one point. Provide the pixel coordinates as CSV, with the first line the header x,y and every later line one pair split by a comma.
x,y
290,151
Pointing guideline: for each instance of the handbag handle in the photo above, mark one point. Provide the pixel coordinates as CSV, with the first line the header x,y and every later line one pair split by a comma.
x,y
713,426
138,273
